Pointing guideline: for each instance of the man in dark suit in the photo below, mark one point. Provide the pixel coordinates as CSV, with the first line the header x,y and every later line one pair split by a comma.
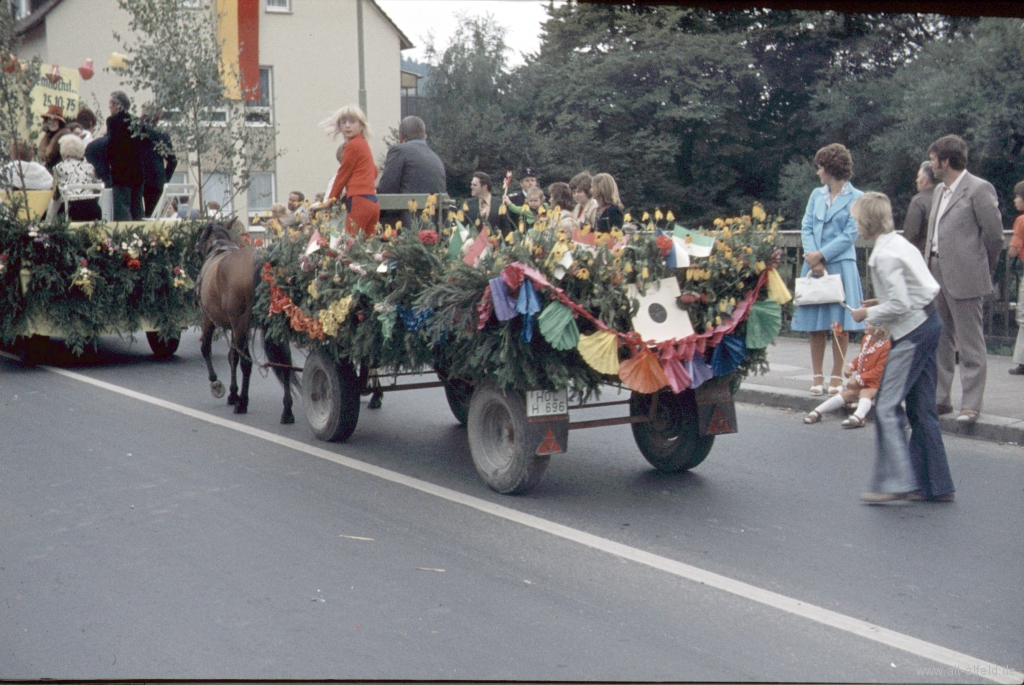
x,y
915,225
411,167
125,160
965,237
158,161
483,207
528,181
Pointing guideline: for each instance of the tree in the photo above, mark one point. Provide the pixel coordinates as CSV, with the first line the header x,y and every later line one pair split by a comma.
x,y
466,98
176,56
16,81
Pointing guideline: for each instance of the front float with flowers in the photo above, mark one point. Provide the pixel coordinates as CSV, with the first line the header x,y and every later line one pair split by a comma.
x,y
522,326
81,281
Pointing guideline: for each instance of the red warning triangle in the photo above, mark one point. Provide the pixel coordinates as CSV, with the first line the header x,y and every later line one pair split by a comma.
x,y
549,445
719,422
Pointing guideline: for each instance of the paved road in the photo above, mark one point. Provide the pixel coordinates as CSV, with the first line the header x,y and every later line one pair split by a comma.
x,y
140,541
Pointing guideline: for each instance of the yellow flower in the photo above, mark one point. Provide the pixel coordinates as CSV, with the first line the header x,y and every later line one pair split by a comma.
x,y
758,212
465,208
585,230
645,273
502,210
658,216
722,305
646,216
669,216
602,239
398,225
509,237
413,206
332,317
627,218
311,289
719,222
726,233
628,268
388,233
583,274
759,267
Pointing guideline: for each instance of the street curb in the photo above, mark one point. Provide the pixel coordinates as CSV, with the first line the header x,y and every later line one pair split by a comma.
x,y
988,427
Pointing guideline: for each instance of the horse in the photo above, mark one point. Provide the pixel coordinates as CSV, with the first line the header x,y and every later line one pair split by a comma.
x,y
225,289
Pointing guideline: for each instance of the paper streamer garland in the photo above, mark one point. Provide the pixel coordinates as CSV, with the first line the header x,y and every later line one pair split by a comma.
x,y
558,326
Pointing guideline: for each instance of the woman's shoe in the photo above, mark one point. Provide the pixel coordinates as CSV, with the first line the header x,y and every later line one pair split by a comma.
x,y
853,421
1017,370
883,497
832,388
813,416
818,388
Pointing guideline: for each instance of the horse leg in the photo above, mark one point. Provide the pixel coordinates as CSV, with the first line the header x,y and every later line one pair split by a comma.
x,y
216,387
233,361
281,357
242,346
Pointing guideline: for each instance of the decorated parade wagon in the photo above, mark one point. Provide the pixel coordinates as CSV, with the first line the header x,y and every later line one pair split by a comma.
x,y
80,281
524,329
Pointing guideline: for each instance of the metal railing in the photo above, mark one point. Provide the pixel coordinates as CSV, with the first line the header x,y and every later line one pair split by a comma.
x,y
1000,324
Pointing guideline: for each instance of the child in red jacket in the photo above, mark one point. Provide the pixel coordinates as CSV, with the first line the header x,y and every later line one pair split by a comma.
x,y
865,374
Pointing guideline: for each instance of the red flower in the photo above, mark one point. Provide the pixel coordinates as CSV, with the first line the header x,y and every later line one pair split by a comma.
x,y
428,237
259,242
837,328
177,271
664,244
4,257
133,264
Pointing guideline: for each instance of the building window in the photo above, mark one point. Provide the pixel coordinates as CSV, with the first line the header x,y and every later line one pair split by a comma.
x,y
261,191
216,188
261,112
279,6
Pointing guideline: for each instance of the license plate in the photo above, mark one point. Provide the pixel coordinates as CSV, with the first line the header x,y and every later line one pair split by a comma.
x,y
546,403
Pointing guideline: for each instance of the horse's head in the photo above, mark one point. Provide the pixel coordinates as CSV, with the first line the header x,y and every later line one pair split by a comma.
x,y
213,233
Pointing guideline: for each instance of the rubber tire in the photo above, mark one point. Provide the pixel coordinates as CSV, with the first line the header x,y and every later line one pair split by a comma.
x,y
330,395
459,394
497,428
162,349
31,350
672,442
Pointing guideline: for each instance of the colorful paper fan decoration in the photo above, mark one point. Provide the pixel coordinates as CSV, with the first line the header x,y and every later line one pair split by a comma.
x,y
504,303
600,351
672,364
643,373
727,355
763,324
777,289
699,371
558,326
528,304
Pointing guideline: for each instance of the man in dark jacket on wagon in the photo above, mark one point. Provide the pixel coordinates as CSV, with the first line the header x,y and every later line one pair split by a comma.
x,y
411,167
124,155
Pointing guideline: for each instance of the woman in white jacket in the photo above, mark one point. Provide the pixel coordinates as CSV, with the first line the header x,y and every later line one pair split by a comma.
x,y
905,290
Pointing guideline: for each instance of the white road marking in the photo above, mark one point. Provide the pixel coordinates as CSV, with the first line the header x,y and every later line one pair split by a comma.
x,y
962,663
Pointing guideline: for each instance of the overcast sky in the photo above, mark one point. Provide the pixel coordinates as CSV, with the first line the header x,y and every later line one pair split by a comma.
x,y
417,18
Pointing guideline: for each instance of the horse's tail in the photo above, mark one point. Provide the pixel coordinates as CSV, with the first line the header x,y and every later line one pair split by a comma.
x,y
280,356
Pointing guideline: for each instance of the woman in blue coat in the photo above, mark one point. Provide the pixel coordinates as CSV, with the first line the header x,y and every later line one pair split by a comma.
x,y
828,234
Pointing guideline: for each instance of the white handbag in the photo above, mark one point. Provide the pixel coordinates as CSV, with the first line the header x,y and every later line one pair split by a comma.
x,y
826,289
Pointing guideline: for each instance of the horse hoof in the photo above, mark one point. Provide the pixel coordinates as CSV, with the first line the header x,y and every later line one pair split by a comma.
x,y
233,399
288,418
217,388
241,409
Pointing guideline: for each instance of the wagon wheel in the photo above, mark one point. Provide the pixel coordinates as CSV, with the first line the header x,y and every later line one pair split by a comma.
x,y
30,350
497,434
330,394
459,393
671,442
162,348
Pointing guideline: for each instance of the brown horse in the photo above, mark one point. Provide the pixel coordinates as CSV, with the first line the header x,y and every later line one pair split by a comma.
x,y
225,292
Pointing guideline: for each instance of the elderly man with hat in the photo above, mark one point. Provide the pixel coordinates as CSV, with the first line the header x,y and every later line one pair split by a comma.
x,y
54,127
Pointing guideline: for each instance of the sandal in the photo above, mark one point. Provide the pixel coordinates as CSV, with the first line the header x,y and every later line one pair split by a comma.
x,y
818,388
853,421
813,416
834,389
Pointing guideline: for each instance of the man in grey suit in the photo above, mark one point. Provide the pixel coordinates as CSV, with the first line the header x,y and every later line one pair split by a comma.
x,y
411,166
915,225
965,236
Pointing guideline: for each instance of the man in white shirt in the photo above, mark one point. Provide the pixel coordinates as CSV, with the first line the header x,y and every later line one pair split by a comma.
x,y
965,236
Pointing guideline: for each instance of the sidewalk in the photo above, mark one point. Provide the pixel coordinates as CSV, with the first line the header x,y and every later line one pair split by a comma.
x,y
787,384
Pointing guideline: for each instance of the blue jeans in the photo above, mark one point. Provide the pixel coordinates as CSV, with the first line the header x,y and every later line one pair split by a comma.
x,y
910,375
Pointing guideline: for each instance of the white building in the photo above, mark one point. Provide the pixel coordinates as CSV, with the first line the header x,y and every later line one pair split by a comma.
x,y
310,57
